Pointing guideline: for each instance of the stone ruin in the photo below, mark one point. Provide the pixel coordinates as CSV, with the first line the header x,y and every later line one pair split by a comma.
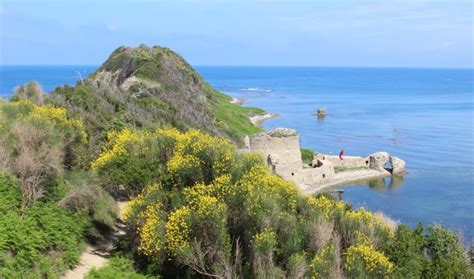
x,y
280,148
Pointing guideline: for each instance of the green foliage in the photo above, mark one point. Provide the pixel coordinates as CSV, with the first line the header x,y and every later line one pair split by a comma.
x,y
338,169
406,251
217,212
307,155
41,241
118,267
232,118
448,259
323,262
86,196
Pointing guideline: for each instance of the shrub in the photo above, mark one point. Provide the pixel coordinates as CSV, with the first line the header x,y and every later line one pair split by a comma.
x,y
448,258
360,222
297,266
118,267
85,195
43,141
223,213
406,251
307,155
363,260
39,241
322,263
31,91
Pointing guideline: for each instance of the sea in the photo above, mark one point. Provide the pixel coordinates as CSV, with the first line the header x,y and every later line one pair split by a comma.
x,y
424,116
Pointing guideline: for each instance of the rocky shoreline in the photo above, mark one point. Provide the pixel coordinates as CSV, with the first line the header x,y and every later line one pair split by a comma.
x,y
258,119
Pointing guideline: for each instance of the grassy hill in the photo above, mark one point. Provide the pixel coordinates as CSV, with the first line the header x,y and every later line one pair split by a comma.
x,y
147,87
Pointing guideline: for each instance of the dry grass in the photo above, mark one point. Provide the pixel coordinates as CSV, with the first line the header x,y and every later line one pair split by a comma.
x,y
30,91
36,160
393,224
5,153
320,234
336,271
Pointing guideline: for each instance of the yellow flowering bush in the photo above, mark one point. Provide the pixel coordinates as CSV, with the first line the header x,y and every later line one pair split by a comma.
x,y
265,242
368,223
260,188
322,262
28,127
27,111
177,229
364,259
327,206
117,145
200,157
151,233
137,158
220,189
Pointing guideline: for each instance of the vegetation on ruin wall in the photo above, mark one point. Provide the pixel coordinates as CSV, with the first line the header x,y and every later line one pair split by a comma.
x,y
307,155
203,209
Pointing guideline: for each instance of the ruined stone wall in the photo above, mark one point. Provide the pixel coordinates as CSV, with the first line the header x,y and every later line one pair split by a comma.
x,y
318,175
348,162
280,148
283,145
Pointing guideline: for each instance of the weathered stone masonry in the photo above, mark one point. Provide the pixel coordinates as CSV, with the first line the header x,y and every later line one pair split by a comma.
x,y
280,148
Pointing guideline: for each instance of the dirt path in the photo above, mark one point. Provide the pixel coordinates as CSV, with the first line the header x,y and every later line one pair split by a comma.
x,y
96,256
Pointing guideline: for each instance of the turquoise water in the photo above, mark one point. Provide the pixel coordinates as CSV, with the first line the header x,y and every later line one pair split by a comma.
x,y
424,116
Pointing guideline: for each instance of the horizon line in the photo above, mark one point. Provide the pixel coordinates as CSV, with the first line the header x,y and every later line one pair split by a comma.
x,y
258,66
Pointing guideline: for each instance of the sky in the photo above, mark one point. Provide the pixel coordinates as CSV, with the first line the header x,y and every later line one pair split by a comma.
x,y
392,33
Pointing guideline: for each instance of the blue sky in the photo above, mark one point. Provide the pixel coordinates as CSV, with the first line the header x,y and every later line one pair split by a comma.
x,y
393,33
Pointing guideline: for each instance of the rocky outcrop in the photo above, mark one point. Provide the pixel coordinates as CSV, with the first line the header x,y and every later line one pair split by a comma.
x,y
378,160
321,112
398,165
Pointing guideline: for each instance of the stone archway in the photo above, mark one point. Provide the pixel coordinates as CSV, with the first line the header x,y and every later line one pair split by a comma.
x,y
382,161
378,160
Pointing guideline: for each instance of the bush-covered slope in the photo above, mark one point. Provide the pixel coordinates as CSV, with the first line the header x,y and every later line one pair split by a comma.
x,y
148,87
203,210
48,209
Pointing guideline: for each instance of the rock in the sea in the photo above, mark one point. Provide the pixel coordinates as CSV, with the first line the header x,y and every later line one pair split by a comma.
x,y
378,160
398,165
321,112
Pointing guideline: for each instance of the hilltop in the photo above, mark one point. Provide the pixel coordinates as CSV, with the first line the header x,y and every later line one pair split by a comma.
x,y
148,87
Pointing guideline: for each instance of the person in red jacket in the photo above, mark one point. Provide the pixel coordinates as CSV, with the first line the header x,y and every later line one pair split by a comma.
x,y
341,154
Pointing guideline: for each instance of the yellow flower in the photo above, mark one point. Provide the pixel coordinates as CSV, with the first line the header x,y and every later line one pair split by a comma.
x,y
364,217
118,142
329,207
177,229
374,262
322,262
150,233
